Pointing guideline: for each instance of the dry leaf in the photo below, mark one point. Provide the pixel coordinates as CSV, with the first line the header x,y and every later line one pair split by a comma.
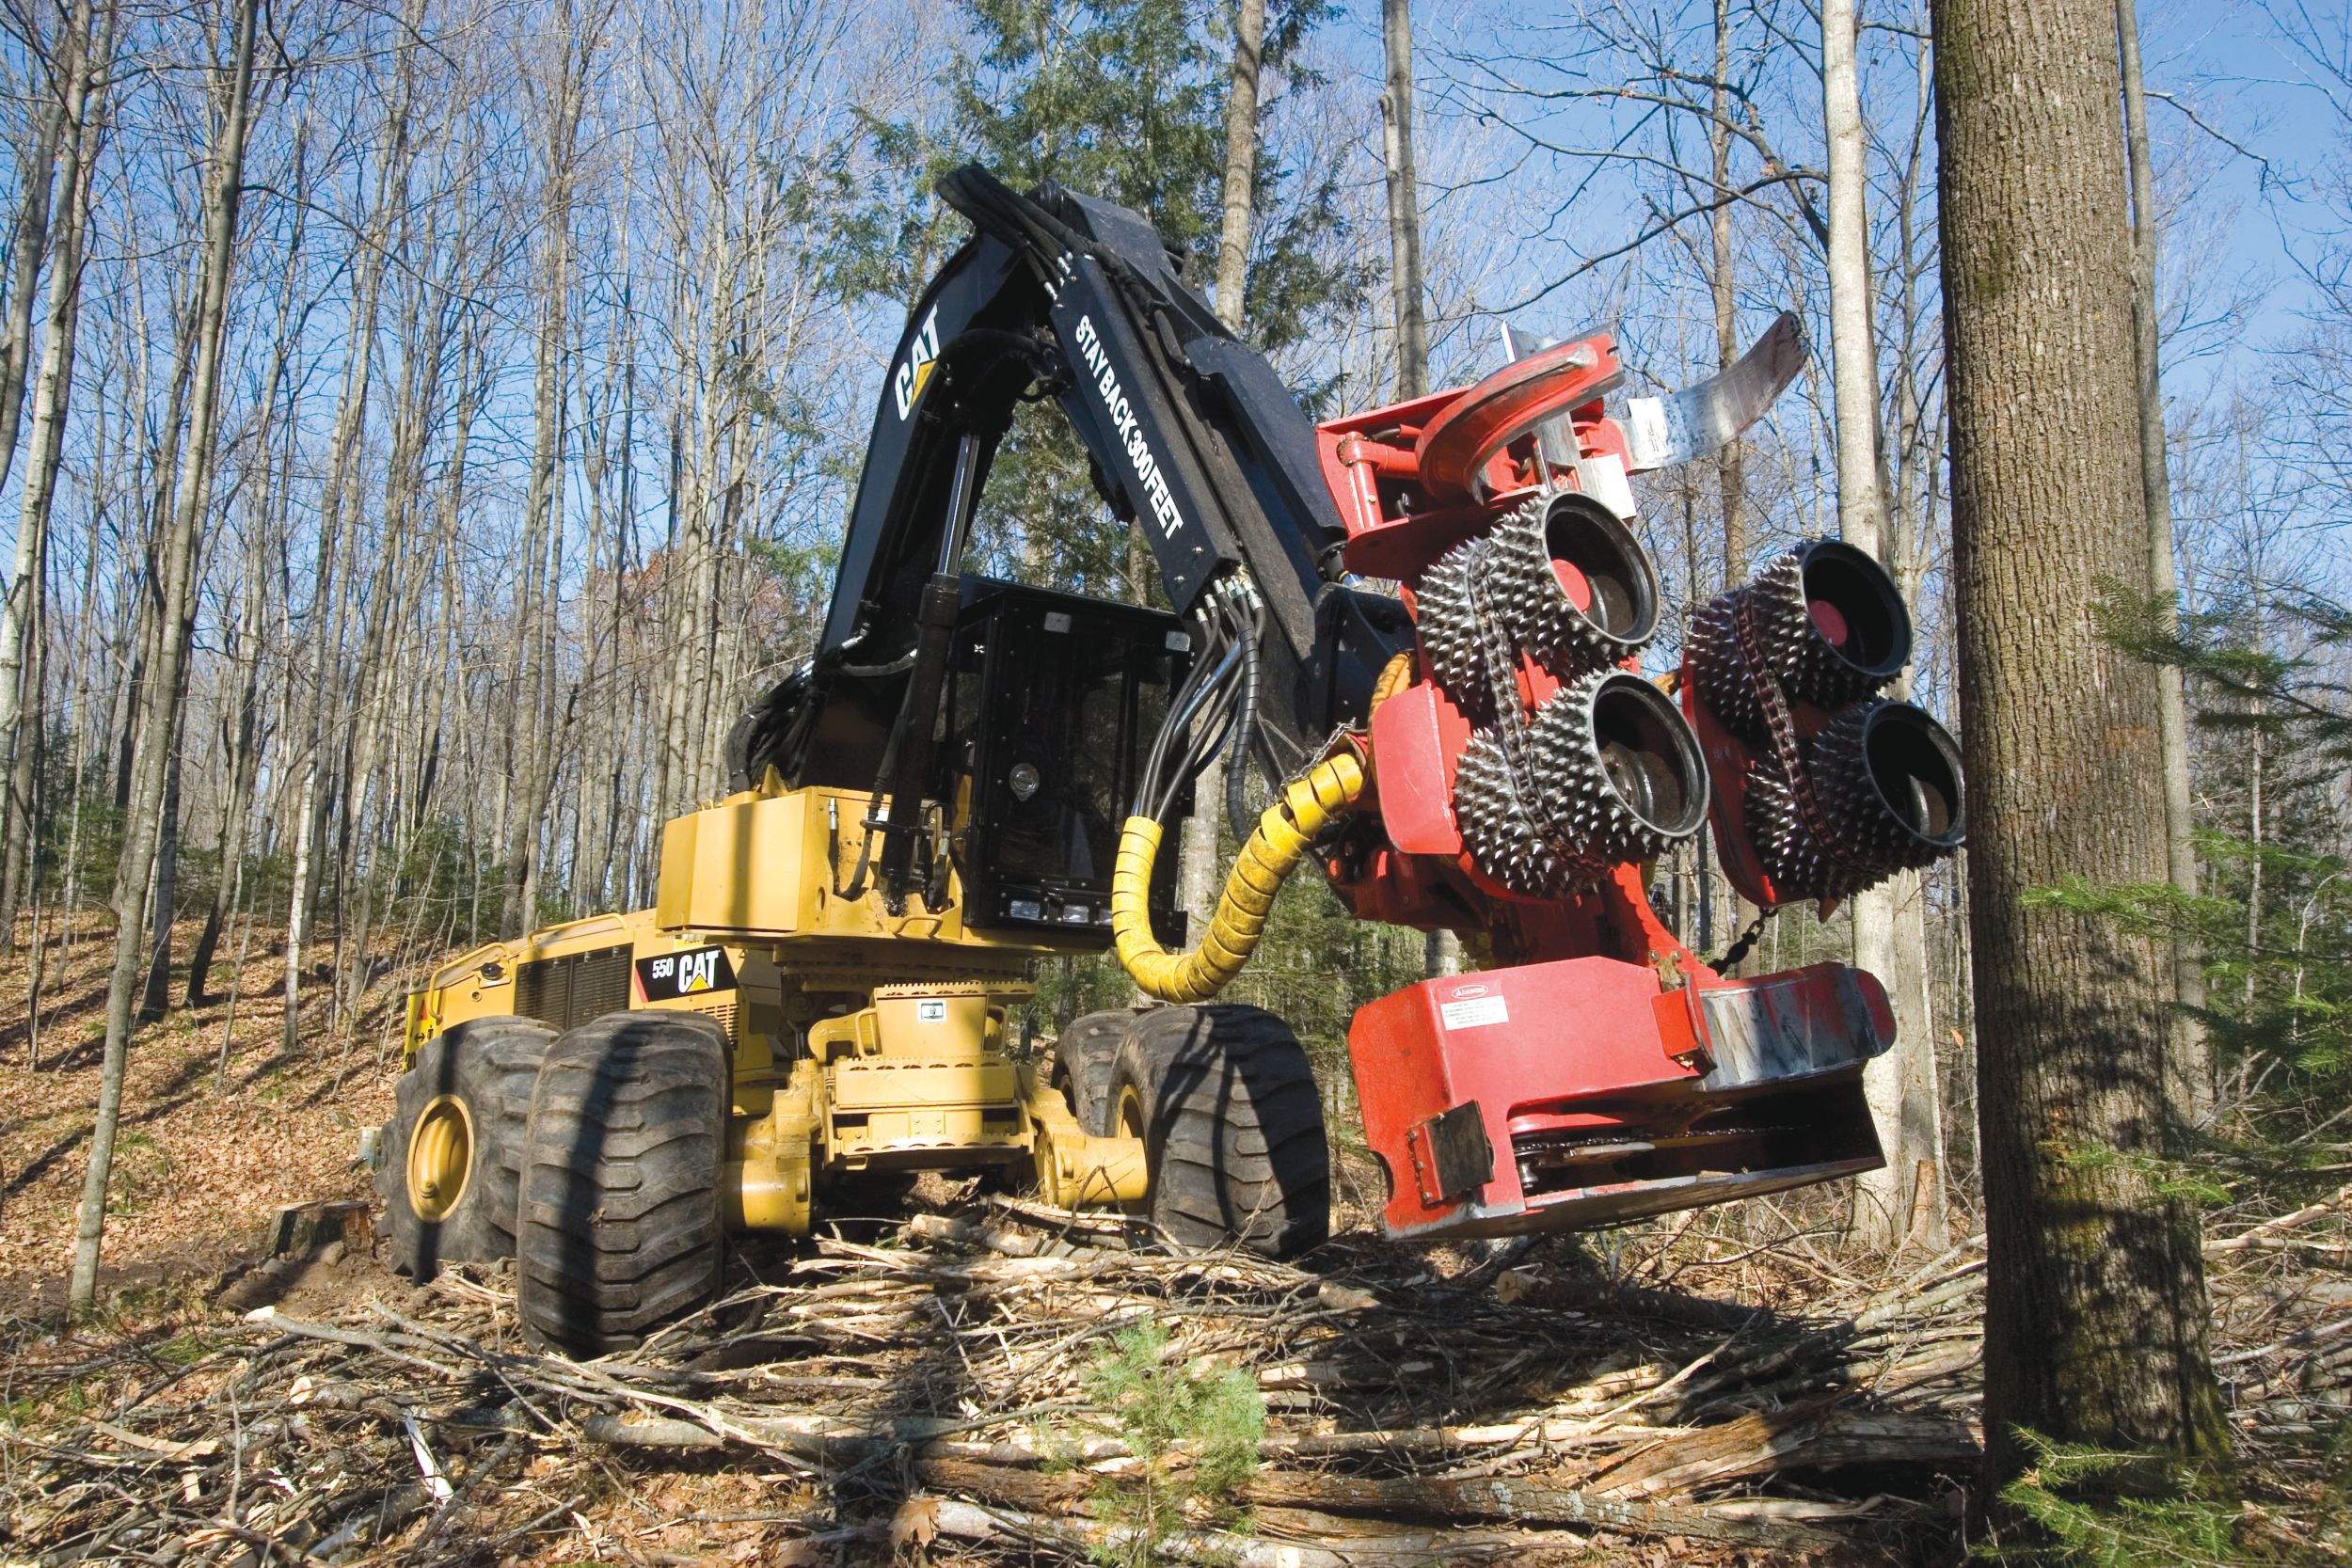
x,y
916,1524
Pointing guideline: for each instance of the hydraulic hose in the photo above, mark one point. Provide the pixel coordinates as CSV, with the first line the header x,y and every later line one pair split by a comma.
x,y
1244,730
1308,804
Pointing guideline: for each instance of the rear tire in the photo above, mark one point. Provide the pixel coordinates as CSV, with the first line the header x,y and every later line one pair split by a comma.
x,y
1227,1105
619,1228
1084,1057
469,1091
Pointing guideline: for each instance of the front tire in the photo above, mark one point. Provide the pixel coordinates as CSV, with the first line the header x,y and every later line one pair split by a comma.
x,y
619,1227
453,1153
1226,1104
1084,1057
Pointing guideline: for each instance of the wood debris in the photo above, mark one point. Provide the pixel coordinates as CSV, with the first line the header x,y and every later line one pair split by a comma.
x,y
925,1393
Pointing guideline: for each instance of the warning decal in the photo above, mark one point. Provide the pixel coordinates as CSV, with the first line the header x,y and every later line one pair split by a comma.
x,y
1475,1012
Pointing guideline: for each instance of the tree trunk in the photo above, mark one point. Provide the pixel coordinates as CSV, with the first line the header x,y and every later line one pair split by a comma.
x,y
30,243
243,750
2095,1309
155,999
22,871
1890,931
242,759
1396,119
543,508
1730,466
159,729
1197,879
79,53
2192,1055
1442,951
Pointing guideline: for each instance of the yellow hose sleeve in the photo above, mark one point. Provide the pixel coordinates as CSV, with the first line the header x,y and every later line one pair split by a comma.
x,y
1274,848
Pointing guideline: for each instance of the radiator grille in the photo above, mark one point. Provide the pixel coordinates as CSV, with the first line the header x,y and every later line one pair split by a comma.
x,y
570,990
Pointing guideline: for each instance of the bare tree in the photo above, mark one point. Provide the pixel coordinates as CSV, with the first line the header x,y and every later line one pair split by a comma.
x,y
160,721
1196,873
1890,934
563,94
83,56
1405,281
2191,1053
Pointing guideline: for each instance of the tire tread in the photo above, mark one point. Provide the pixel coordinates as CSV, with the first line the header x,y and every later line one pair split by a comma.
x,y
618,1228
1238,1153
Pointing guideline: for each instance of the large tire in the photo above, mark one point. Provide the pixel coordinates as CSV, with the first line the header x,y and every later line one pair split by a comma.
x,y
619,1227
1232,1124
1085,1055
451,1198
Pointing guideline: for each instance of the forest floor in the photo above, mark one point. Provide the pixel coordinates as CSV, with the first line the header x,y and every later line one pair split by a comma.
x,y
203,1158
944,1382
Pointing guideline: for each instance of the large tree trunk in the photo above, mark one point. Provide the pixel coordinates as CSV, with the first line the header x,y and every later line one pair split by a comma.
x,y
2192,1055
2095,1309
1890,927
159,728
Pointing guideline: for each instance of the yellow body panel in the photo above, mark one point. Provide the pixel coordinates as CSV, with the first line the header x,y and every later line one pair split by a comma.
x,y
861,1038
767,863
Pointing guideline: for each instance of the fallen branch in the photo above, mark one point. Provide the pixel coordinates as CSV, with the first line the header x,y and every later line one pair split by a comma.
x,y
1819,1437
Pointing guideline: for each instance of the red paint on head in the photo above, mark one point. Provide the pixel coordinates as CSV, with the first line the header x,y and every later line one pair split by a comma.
x,y
1572,583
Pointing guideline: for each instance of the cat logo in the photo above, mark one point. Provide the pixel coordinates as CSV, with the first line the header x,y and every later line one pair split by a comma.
x,y
671,976
917,369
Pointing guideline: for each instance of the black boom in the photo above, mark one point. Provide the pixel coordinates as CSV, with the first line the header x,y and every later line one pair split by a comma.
x,y
1194,438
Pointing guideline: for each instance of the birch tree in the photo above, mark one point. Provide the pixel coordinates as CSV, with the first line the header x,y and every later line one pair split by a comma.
x,y
84,57
1889,924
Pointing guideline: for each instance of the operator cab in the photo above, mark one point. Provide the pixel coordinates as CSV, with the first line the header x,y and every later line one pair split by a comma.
x,y
1052,699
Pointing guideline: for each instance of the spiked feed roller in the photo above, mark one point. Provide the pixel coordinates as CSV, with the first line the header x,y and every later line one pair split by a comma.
x,y
1884,781
1550,601
1560,579
1608,772
1827,621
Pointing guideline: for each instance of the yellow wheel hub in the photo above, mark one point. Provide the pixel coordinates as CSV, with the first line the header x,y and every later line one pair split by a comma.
x,y
1135,1122
440,1155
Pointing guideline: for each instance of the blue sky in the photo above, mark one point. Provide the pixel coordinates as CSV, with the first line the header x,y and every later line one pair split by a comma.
x,y
2227,65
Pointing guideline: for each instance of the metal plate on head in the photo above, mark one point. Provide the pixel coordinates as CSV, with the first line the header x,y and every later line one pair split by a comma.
x,y
1663,432
1452,1153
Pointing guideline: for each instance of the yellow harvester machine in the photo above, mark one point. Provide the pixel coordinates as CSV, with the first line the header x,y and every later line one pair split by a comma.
x,y
1418,629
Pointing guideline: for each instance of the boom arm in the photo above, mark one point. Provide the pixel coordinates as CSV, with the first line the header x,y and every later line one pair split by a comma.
x,y
1190,431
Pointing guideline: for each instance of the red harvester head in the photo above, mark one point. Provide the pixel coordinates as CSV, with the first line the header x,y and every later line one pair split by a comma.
x,y
1524,774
